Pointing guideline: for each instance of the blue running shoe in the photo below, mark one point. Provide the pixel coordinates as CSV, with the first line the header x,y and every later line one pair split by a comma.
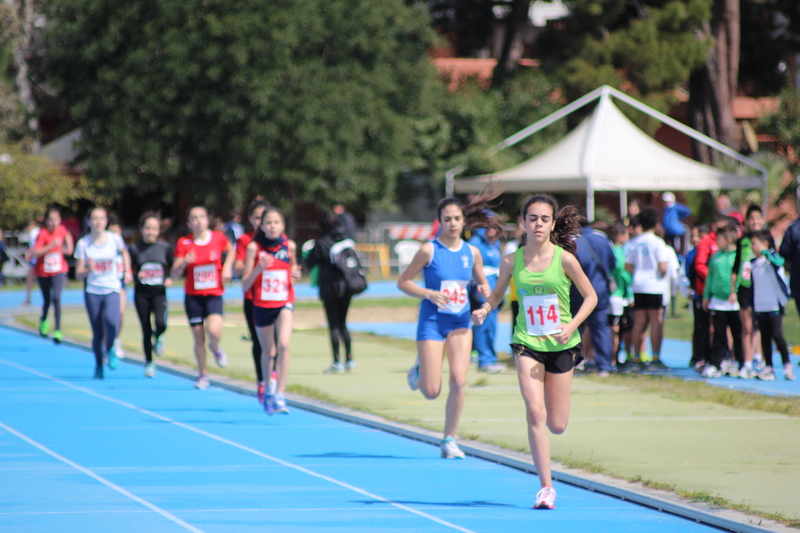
x,y
269,404
113,360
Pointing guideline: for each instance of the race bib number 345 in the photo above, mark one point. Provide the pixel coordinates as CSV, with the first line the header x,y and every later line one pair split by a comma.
x,y
456,293
542,315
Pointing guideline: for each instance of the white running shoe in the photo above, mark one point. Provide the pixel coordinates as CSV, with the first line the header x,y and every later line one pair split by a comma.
x,y
158,347
273,382
219,357
728,368
545,499
492,368
350,366
710,371
118,349
202,382
413,376
768,374
747,372
280,405
450,449
335,368
788,372
149,370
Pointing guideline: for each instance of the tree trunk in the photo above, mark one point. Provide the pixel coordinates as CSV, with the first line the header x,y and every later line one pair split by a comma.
x,y
713,86
514,23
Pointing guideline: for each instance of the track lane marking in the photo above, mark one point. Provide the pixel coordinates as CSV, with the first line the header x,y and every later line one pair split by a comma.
x,y
236,445
104,481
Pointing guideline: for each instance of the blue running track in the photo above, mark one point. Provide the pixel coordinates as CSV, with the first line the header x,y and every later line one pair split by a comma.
x,y
130,454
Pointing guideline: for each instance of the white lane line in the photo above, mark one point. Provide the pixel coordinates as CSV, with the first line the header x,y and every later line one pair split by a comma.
x,y
102,480
241,447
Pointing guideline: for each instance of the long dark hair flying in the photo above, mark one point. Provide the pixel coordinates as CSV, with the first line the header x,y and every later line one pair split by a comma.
x,y
568,221
478,213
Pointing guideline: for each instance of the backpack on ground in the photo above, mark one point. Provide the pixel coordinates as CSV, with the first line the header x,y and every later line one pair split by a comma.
x,y
344,257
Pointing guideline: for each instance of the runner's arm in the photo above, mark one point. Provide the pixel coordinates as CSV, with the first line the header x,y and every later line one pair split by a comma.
x,y
251,268
227,267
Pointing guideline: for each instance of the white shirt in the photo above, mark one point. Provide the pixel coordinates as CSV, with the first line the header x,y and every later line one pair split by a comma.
x,y
645,253
103,277
673,266
767,294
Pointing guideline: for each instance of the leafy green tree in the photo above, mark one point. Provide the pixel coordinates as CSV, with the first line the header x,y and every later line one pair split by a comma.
x,y
303,102
645,48
784,124
29,183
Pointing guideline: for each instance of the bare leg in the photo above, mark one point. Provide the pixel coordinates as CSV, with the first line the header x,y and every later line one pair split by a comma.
x,y
458,348
746,318
214,329
266,337
199,335
28,286
284,325
656,318
430,368
639,325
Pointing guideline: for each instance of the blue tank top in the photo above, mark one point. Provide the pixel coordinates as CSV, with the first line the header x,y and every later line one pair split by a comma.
x,y
449,272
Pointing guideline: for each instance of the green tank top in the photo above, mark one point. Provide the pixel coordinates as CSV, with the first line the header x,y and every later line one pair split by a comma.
x,y
551,281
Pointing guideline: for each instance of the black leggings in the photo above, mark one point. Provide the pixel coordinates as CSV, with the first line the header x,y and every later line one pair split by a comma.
x,y
722,320
147,304
251,325
51,290
336,312
771,327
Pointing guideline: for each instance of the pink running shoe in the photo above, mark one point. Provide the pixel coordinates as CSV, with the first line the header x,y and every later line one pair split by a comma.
x,y
546,499
219,356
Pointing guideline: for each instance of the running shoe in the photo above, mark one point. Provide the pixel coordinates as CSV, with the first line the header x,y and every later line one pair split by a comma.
x,y
58,336
118,349
335,368
280,405
658,365
728,368
758,362
788,372
545,499
44,327
260,393
710,371
492,368
747,372
158,347
699,365
768,374
350,366
273,382
413,376
149,370
269,404
450,449
98,372
219,356
202,382
113,360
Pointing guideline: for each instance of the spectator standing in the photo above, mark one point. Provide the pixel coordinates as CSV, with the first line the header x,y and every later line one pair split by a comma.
x,y
335,300
790,251
770,297
674,213
620,311
720,300
742,275
346,221
597,261
647,261
233,229
487,242
698,234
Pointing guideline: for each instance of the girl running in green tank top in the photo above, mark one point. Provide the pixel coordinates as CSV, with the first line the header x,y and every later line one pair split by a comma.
x,y
546,340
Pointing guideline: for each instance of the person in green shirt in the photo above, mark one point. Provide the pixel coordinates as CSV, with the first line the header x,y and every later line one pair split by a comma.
x,y
620,317
546,343
751,339
721,301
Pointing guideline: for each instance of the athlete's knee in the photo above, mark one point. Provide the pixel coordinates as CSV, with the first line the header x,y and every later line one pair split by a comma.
x,y
458,383
430,392
557,426
537,416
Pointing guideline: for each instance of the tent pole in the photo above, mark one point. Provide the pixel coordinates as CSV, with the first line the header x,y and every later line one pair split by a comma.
x,y
589,201
450,180
623,204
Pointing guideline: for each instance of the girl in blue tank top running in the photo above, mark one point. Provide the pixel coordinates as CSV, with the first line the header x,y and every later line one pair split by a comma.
x,y
546,342
448,265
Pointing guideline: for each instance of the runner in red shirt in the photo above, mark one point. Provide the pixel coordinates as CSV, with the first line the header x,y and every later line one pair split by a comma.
x,y
199,255
254,213
52,244
270,268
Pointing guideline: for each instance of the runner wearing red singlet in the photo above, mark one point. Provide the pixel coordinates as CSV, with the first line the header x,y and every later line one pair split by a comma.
x,y
199,255
254,212
270,268
52,244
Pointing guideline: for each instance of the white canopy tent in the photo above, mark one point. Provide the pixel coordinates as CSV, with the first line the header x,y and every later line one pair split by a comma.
x,y
607,152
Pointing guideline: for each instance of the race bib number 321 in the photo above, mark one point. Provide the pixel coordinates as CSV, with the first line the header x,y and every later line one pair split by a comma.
x,y
542,315
275,285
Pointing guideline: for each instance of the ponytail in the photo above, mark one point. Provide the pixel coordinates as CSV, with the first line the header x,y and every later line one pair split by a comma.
x,y
478,213
568,221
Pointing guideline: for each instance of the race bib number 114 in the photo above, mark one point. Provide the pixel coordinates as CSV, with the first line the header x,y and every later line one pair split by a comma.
x,y
542,314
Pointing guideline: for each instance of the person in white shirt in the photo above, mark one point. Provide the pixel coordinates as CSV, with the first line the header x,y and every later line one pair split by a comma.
x,y
647,260
96,255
